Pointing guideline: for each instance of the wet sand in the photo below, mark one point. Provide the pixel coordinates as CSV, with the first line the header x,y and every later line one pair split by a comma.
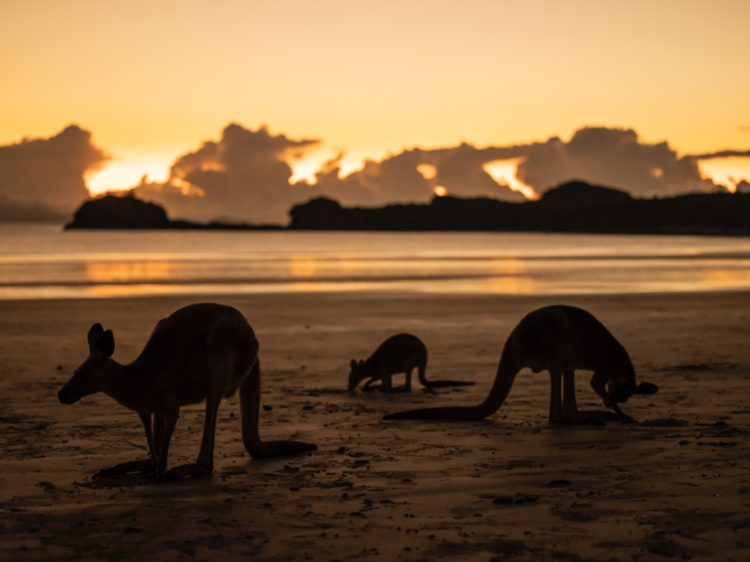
x,y
674,486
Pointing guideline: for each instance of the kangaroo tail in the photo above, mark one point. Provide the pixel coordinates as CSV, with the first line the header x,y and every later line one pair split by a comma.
x,y
441,384
506,374
250,405
282,448
445,413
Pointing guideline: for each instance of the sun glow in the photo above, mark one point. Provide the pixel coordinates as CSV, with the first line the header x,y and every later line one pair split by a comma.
x,y
305,168
314,162
504,172
726,171
440,191
122,174
428,171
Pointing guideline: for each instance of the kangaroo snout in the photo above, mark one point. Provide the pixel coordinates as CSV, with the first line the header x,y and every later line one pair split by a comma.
x,y
66,396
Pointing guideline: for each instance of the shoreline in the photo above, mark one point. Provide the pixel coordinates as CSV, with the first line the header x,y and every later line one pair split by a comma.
x,y
366,289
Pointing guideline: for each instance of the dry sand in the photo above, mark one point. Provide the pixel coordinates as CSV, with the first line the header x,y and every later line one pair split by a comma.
x,y
674,486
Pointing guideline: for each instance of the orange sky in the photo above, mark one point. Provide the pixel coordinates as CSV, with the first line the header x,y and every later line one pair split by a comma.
x,y
152,79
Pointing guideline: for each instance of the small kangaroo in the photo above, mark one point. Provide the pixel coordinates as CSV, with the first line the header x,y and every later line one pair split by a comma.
x,y
200,352
398,354
558,339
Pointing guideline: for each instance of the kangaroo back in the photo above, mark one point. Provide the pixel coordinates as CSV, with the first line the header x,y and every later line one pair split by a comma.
x,y
250,405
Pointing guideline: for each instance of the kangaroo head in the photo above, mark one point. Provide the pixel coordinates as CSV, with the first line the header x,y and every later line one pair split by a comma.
x,y
89,377
620,389
357,374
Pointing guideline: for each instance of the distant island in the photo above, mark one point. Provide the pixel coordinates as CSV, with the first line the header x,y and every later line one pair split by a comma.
x,y
573,207
130,213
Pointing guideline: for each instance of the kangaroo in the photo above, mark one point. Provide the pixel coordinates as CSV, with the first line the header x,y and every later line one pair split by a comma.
x,y
558,339
200,352
398,354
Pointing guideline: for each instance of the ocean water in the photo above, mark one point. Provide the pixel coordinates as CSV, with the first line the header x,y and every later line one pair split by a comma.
x,y
43,261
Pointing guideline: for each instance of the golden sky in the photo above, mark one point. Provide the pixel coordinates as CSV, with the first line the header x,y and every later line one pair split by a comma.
x,y
153,79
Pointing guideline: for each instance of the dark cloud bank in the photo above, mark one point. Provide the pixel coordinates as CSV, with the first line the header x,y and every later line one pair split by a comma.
x,y
245,175
43,179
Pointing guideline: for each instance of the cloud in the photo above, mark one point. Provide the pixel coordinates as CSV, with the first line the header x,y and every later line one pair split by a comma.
x,y
608,156
462,171
722,154
49,171
403,177
14,211
244,176
614,157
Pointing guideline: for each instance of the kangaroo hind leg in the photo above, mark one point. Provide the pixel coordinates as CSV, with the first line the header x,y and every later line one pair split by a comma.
x,y
387,384
204,465
563,407
143,466
570,405
407,382
221,382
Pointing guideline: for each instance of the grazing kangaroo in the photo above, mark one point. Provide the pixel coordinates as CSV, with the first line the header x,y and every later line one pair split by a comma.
x,y
558,339
200,352
398,354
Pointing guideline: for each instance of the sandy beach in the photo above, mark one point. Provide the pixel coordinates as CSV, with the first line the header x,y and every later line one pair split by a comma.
x,y
674,486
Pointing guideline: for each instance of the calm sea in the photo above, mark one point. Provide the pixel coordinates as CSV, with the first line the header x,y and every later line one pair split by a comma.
x,y
43,261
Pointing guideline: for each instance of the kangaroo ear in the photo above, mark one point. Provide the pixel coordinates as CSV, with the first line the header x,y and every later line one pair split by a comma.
x,y
646,388
106,344
95,333
353,364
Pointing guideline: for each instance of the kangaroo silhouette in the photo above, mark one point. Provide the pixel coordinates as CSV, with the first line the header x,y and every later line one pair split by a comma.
x,y
558,339
398,354
200,352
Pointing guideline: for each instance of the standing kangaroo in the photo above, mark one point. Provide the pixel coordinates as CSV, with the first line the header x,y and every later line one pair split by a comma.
x,y
200,352
558,339
398,354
